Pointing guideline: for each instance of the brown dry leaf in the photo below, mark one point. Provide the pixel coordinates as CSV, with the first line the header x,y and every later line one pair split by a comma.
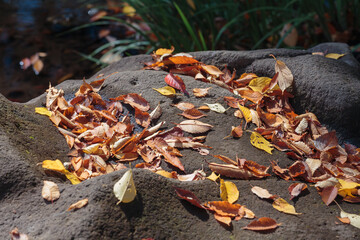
x,y
50,191
233,102
156,113
184,106
212,70
188,196
223,208
344,220
135,100
233,171
204,108
326,141
262,193
78,204
296,188
262,224
285,77
142,118
194,126
201,92
249,94
193,113
328,194
16,235
236,132
282,205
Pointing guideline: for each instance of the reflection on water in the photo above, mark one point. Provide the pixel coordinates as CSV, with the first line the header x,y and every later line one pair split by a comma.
x,y
30,26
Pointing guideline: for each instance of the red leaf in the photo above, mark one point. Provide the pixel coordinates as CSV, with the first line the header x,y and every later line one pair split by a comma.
x,y
176,82
188,196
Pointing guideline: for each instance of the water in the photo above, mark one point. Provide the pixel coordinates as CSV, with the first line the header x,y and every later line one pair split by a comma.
x,y
31,26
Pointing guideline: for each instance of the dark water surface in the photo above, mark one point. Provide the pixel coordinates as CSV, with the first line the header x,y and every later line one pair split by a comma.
x,y
31,26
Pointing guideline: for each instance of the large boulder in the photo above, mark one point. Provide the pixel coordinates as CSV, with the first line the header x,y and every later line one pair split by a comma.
x,y
324,86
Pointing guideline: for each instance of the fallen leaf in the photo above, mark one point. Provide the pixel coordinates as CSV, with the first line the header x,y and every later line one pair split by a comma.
x,y
193,113
228,191
216,107
162,51
249,94
245,112
184,105
188,196
346,187
259,83
313,164
233,171
142,118
223,219
296,188
165,173
201,92
285,77
236,132
16,235
334,55
262,224
176,82
213,177
78,204
166,91
354,218
223,208
212,70
50,191
124,189
344,220
282,205
326,141
194,126
56,165
156,113
179,60
260,142
43,111
262,192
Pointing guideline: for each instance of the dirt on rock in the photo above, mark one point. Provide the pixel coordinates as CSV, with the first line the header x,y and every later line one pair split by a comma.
x,y
28,138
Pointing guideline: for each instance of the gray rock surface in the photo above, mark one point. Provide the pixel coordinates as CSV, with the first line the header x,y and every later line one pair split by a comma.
x,y
326,87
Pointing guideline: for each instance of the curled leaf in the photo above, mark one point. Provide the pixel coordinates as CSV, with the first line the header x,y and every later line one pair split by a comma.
x,y
124,189
79,204
43,111
285,77
188,196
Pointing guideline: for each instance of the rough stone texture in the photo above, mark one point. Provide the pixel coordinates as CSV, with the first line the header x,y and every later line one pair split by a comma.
x,y
324,86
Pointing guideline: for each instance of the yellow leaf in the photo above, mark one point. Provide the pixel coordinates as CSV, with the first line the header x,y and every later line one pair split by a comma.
x,y
124,189
213,177
43,111
260,142
164,173
258,84
346,187
162,51
334,55
282,205
56,165
129,10
245,112
228,191
166,91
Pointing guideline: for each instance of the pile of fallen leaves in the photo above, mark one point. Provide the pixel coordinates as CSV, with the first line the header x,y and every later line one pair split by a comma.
x,y
101,135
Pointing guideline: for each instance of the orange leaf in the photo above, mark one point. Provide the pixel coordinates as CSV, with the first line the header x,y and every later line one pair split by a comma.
x,y
179,60
212,70
78,204
223,219
223,208
201,92
249,94
188,196
193,114
236,132
233,102
262,224
162,51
